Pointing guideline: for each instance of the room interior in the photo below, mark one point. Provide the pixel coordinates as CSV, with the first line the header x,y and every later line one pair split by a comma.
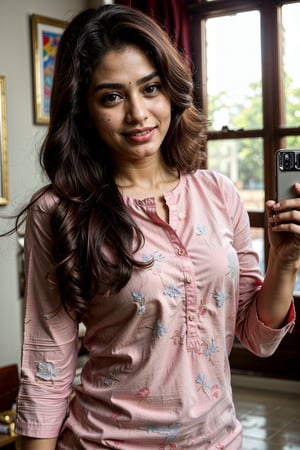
x,y
267,392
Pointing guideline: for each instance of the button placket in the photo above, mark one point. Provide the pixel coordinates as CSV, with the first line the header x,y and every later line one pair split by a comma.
x,y
189,287
191,303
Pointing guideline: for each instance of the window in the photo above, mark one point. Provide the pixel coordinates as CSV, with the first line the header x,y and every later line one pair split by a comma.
x,y
247,75
291,66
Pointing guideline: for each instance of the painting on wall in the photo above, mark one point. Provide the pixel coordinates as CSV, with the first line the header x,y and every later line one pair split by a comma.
x,y
3,145
46,34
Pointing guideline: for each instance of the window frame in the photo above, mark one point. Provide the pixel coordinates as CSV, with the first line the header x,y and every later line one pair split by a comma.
x,y
272,132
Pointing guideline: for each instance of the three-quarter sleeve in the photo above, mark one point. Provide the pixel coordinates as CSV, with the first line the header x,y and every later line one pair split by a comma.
x,y
253,334
49,352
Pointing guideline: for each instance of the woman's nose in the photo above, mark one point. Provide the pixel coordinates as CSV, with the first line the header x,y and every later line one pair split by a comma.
x,y
136,110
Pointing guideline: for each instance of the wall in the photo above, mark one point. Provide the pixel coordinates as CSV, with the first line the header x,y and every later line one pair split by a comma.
x,y
24,138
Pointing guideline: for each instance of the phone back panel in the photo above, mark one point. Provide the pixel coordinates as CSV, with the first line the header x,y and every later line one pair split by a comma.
x,y
287,173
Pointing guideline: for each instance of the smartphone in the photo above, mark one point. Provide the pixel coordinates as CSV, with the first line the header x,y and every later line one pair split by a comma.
x,y
287,173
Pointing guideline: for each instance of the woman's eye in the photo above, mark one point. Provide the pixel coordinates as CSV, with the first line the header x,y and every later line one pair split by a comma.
x,y
110,99
153,88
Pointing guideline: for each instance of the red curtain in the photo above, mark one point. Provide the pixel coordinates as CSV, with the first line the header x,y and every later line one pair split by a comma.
x,y
171,14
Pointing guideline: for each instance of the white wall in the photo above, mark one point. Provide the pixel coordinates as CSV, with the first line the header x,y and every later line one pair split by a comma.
x,y
24,138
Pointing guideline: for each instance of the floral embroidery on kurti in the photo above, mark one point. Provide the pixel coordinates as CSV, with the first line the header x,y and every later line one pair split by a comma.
x,y
220,298
232,262
204,386
202,308
178,337
143,393
202,229
46,371
172,291
160,330
210,349
139,299
111,380
169,432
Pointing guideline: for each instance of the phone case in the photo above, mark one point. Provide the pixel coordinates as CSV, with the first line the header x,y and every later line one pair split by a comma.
x,y
287,173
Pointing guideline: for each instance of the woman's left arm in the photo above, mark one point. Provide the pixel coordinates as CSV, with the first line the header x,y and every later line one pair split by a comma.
x,y
275,297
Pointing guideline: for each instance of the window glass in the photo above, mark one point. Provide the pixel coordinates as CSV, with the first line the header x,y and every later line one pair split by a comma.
x,y
291,63
241,160
291,141
234,71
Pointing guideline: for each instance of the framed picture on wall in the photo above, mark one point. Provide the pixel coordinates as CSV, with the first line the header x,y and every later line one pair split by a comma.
x,y
3,145
46,34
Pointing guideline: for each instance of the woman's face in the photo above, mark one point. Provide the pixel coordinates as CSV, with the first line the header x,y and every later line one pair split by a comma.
x,y
128,106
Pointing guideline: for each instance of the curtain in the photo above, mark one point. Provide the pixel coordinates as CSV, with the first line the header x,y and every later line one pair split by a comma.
x,y
171,15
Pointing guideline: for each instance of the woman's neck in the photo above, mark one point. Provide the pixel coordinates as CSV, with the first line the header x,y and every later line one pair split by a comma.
x,y
145,180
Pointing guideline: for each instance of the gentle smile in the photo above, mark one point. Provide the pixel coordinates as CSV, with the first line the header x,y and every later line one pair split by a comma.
x,y
139,132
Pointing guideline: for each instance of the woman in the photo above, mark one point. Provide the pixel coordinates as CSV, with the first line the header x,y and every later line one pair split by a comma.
x,y
153,255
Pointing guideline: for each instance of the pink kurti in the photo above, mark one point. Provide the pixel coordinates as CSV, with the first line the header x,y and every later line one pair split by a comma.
x,y
158,376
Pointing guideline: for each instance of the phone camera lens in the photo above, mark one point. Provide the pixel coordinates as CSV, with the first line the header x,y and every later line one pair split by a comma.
x,y
288,162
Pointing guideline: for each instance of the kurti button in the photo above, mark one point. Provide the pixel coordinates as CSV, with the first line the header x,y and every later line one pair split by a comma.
x,y
191,317
189,279
181,251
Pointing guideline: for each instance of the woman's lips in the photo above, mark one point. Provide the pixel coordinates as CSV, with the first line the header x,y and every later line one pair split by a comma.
x,y
140,134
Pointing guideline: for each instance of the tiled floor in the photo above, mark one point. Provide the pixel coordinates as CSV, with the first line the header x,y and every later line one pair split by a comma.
x,y
271,420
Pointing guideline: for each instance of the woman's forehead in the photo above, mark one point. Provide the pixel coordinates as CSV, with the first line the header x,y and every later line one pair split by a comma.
x,y
127,65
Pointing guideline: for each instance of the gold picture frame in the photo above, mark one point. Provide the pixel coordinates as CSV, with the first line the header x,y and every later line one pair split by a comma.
x,y
3,145
46,33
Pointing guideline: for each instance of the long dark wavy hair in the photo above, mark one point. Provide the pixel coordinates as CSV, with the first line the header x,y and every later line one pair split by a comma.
x,y
90,214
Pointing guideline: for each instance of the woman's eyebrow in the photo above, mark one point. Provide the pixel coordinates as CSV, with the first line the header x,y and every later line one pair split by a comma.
x,y
121,86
